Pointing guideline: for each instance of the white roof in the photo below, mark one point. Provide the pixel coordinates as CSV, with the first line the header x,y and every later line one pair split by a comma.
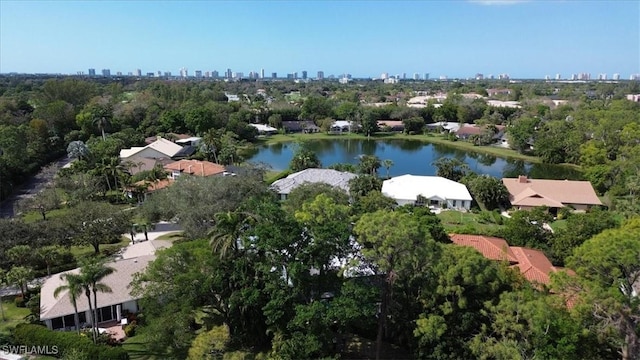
x,y
408,187
263,128
498,103
161,145
341,123
119,281
331,177
188,140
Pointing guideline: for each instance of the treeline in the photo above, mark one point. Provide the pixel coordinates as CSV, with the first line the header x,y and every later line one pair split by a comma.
x,y
319,275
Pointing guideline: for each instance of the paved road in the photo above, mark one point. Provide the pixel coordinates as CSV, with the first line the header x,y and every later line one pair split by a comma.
x,y
31,187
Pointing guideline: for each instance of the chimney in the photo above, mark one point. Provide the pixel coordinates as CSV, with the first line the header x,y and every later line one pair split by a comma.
x,y
522,179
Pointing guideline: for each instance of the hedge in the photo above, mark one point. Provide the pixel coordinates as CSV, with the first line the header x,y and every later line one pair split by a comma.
x,y
37,335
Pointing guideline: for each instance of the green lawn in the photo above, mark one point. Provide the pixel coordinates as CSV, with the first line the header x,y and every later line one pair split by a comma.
x,y
13,315
466,223
558,224
136,349
34,216
86,251
427,138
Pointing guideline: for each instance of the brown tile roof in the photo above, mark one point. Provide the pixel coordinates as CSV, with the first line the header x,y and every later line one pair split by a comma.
x,y
492,248
552,193
196,167
153,185
533,264
391,123
473,129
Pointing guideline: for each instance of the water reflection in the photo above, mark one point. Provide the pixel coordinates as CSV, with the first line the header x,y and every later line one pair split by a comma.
x,y
410,157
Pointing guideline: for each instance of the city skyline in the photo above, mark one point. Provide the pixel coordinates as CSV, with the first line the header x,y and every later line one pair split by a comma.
x,y
525,39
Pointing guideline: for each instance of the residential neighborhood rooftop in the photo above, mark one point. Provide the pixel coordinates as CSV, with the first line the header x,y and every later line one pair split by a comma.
x,y
408,187
331,177
553,193
118,281
195,167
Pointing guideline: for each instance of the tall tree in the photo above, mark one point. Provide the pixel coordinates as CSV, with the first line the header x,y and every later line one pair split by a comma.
x,y
607,268
304,158
73,285
387,163
390,249
91,274
451,168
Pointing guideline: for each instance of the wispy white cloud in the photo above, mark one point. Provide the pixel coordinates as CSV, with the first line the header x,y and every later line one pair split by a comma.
x,y
497,2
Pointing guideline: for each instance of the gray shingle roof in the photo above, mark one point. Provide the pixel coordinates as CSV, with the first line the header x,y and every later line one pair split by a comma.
x,y
331,177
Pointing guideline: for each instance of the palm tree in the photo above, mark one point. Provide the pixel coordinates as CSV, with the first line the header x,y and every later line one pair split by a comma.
x,y
20,275
387,163
74,287
227,231
92,273
102,122
78,150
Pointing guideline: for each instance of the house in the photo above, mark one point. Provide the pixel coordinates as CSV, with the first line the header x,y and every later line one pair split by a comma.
x,y
264,129
175,170
633,97
391,125
466,131
168,136
494,92
136,164
508,104
306,127
335,178
434,191
193,167
58,313
492,248
447,126
341,126
190,141
525,193
532,264
161,148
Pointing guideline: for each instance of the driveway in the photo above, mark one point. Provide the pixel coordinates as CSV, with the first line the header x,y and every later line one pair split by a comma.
x,y
31,187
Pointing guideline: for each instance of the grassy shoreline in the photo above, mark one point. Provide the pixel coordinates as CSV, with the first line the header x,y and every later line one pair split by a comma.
x,y
428,138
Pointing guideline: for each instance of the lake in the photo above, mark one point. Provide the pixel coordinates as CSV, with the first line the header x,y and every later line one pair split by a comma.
x,y
409,157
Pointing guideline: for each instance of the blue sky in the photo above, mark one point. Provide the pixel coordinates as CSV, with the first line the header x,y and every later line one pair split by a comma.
x,y
526,39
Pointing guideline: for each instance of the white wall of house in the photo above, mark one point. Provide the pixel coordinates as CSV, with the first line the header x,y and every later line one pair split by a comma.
x,y
458,204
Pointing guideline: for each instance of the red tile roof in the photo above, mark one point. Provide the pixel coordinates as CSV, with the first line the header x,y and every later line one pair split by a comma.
x,y
196,167
533,264
492,248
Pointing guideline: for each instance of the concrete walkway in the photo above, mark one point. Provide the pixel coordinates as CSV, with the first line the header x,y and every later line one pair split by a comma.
x,y
160,229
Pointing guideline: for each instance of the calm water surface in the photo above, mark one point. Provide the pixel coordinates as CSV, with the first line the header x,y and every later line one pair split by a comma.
x,y
409,157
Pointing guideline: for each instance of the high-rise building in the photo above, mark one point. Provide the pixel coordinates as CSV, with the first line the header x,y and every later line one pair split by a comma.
x,y
274,75
547,77
558,76
320,75
634,77
228,74
119,73
602,77
479,76
616,76
295,75
384,76
304,74
92,72
426,76
404,76
167,74
106,72
138,72
198,74
184,72
416,76
215,74
261,73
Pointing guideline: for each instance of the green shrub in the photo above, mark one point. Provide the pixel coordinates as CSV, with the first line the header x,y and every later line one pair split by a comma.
x,y
130,329
209,344
65,342
20,301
